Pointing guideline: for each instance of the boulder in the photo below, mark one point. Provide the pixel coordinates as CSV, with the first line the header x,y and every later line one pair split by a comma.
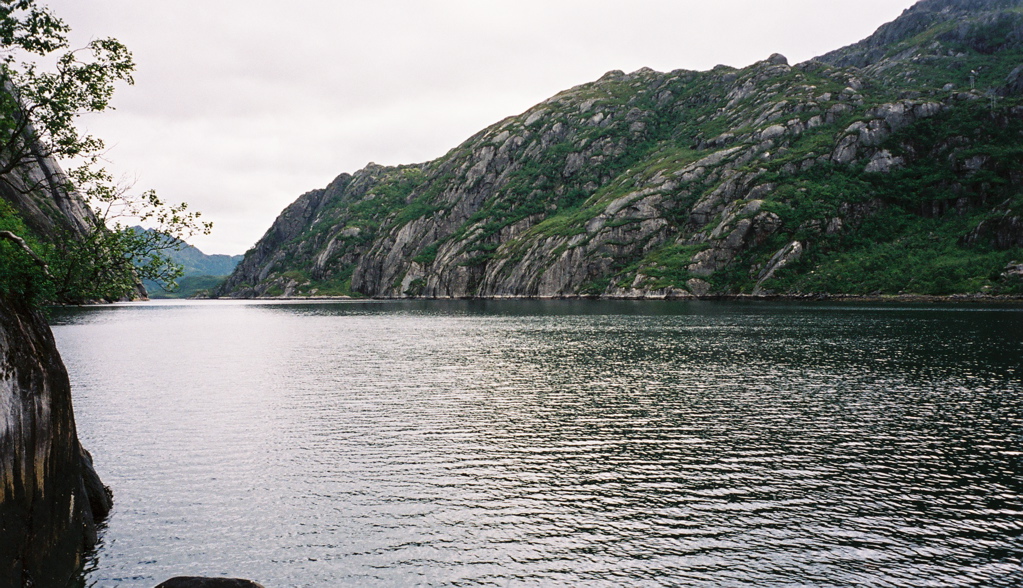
x,y
698,287
884,162
772,132
200,582
785,256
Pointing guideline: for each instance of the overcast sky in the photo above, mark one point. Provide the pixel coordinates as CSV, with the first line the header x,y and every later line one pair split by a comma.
x,y
240,106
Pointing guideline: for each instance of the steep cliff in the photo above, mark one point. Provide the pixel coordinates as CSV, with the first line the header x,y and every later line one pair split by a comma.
x,y
893,165
39,194
50,496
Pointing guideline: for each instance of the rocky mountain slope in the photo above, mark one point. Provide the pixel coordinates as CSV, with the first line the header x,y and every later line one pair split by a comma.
x,y
38,195
893,165
201,273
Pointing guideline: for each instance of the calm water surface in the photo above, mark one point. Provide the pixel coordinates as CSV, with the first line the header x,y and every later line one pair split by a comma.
x,y
554,444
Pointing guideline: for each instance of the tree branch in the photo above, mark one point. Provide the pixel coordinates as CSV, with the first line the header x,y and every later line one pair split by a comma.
x,y
21,243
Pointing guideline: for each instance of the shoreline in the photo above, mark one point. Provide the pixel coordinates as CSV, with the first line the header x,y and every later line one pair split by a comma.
x,y
869,298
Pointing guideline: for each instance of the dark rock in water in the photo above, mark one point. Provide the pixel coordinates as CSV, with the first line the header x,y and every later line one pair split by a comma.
x,y
101,499
50,496
197,582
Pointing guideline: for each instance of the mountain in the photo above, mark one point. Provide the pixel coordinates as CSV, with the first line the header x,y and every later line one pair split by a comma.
x,y
197,263
202,272
893,165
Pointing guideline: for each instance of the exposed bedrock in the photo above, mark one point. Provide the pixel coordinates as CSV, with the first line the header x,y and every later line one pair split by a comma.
x,y
50,496
684,183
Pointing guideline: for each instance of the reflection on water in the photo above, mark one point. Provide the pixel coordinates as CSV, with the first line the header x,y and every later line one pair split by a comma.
x,y
554,444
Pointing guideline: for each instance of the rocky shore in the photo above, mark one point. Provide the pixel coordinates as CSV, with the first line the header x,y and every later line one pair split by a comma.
x,y
873,298
51,499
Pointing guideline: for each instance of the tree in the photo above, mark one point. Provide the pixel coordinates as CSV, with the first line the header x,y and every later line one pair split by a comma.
x,y
39,108
109,261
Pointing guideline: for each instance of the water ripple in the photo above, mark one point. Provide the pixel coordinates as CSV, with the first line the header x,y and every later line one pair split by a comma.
x,y
544,444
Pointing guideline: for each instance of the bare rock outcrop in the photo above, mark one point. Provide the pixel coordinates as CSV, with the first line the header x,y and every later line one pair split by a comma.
x,y
50,495
650,184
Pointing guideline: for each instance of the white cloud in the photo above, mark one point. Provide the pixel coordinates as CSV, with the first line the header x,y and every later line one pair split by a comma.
x,y
240,106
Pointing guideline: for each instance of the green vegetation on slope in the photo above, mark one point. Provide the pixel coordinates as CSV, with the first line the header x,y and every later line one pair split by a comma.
x,y
891,176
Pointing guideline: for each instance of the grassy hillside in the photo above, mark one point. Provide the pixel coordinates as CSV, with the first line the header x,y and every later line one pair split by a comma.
x,y
891,166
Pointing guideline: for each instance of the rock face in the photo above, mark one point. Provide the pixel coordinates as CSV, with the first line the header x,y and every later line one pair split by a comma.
x,y
1004,233
49,207
986,26
50,497
680,184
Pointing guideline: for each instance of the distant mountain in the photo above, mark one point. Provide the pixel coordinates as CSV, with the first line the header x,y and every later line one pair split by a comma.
x,y
197,263
202,272
892,165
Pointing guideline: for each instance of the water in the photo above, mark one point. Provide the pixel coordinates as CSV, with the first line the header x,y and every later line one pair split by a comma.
x,y
554,443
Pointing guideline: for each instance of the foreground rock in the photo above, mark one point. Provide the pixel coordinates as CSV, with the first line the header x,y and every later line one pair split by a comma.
x,y
50,496
198,582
